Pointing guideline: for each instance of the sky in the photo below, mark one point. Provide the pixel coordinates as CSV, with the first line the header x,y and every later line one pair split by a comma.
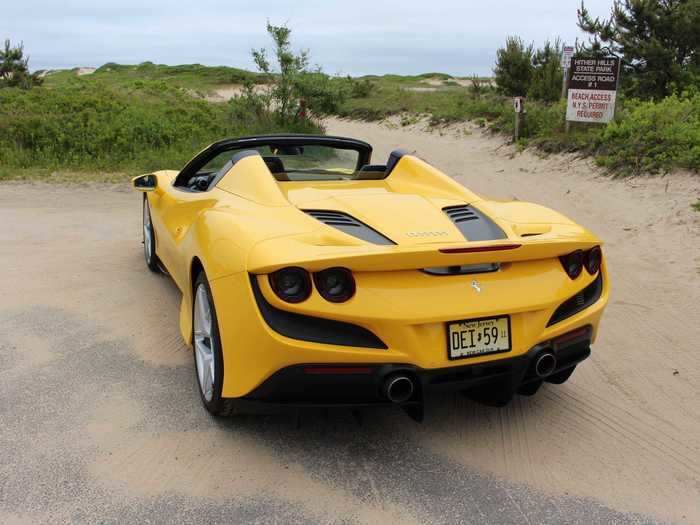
x,y
354,37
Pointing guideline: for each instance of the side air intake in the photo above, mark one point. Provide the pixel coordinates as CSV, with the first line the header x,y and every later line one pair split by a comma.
x,y
350,225
474,225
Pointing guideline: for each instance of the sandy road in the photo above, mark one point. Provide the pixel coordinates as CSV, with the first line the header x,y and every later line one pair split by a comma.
x,y
100,420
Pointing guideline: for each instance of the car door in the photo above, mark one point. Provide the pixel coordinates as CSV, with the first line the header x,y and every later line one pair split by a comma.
x,y
175,210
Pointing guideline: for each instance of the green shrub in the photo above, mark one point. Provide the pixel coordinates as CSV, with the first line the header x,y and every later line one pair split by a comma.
x,y
360,88
97,126
653,136
322,94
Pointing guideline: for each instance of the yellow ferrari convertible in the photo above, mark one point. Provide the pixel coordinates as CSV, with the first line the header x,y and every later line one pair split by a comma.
x,y
312,277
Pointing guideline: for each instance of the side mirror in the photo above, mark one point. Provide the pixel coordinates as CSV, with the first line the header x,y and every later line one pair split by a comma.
x,y
145,182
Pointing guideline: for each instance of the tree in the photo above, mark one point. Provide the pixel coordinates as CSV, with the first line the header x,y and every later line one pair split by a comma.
x,y
658,42
292,80
290,67
14,68
513,69
547,74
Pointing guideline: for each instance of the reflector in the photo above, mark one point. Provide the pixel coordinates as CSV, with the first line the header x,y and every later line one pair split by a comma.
x,y
291,284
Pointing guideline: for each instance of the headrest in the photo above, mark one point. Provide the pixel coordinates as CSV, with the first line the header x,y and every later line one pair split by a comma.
x,y
274,164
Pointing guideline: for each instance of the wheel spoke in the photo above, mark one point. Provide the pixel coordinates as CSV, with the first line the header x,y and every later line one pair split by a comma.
x,y
200,364
205,317
203,342
147,232
206,380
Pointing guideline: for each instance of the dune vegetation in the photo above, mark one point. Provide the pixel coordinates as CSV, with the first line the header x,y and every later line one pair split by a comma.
x,y
134,118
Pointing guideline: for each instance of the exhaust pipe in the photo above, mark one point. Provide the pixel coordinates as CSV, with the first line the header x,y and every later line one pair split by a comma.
x,y
545,364
398,388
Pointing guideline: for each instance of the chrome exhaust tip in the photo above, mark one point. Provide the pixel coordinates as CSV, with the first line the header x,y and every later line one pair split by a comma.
x,y
545,364
398,388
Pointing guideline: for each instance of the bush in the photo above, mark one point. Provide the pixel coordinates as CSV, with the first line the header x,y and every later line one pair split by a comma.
x,y
322,94
360,88
653,136
96,126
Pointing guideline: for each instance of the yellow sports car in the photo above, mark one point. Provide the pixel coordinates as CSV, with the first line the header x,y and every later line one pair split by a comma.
x,y
311,276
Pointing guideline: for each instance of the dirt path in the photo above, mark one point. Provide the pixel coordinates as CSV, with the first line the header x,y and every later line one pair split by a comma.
x,y
100,419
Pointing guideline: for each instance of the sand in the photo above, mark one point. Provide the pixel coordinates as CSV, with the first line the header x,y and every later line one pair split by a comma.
x,y
101,420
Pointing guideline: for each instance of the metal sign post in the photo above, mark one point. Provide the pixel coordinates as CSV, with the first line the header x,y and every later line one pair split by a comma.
x,y
566,55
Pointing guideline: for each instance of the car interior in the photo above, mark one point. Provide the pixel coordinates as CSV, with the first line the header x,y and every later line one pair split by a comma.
x,y
207,177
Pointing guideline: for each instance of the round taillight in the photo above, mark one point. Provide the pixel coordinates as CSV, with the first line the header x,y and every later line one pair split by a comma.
x,y
592,260
572,263
291,284
336,285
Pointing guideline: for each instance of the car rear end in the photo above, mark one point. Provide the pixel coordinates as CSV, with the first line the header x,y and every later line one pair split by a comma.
x,y
490,319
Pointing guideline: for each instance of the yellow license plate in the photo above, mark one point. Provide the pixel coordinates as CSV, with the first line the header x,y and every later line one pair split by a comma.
x,y
473,337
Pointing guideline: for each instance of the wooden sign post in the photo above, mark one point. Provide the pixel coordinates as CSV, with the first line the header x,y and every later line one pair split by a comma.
x,y
519,107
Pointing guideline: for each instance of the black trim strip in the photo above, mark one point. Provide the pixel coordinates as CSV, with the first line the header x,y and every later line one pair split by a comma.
x,y
350,225
314,329
473,224
579,302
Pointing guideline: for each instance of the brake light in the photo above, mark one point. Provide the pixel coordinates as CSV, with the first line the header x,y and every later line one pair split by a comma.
x,y
291,284
473,249
336,285
572,263
592,259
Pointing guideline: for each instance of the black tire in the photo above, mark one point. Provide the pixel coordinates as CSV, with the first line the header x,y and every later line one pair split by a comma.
x,y
149,241
217,405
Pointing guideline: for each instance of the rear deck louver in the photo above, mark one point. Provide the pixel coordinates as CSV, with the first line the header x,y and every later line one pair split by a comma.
x,y
350,225
474,225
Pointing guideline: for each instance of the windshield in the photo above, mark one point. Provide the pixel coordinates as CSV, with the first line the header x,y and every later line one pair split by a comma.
x,y
292,163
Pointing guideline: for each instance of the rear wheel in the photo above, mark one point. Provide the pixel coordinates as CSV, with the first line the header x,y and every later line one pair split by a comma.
x,y
149,239
208,356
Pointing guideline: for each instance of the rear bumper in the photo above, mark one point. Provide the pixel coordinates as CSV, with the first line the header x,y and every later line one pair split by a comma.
x,y
262,339
353,385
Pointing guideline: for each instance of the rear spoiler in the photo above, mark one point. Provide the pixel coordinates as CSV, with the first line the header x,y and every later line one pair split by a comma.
x,y
274,254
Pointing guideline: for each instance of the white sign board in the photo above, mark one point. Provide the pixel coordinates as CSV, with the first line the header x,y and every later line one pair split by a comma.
x,y
592,89
566,57
518,105
590,105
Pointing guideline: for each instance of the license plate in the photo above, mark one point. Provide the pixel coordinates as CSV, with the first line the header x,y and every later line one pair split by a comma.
x,y
472,337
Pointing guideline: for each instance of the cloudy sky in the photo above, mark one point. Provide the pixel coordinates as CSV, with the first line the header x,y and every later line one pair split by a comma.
x,y
355,37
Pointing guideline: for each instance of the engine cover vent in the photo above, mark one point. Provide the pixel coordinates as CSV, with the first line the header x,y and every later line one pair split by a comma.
x,y
350,225
474,225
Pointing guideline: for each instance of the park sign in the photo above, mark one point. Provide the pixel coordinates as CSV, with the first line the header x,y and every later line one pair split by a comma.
x,y
566,55
592,89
